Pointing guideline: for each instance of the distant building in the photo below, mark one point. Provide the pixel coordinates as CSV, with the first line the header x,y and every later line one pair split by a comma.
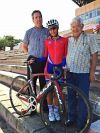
x,y
89,11
7,48
17,46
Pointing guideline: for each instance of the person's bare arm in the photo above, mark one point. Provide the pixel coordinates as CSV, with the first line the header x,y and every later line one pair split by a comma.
x,y
24,47
93,66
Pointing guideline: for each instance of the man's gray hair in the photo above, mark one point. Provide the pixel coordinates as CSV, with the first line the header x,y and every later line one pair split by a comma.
x,y
77,19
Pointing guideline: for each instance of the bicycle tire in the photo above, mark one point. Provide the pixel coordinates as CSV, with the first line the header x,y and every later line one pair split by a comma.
x,y
80,93
18,105
57,126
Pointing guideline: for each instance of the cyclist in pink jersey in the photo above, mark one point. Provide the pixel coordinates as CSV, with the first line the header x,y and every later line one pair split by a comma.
x,y
55,52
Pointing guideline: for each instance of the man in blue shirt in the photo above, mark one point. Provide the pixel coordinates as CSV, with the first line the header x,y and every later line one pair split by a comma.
x,y
33,44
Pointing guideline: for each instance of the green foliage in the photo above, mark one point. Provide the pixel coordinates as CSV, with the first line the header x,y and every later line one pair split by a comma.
x,y
2,44
8,41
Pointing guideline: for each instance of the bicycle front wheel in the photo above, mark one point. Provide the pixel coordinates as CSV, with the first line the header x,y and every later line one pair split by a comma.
x,y
56,126
77,106
20,92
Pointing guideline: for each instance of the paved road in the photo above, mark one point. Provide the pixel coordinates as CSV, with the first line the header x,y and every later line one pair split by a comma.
x,y
5,128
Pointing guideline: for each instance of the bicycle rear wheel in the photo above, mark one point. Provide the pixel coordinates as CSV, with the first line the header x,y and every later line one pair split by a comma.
x,y
79,95
20,100
57,126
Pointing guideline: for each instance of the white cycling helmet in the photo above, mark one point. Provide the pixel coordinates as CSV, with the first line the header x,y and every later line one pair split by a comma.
x,y
51,23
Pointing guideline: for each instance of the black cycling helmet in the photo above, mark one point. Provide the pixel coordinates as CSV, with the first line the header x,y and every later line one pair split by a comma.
x,y
52,23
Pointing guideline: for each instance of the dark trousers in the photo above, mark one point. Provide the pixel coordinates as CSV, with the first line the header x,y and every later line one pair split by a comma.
x,y
80,80
37,68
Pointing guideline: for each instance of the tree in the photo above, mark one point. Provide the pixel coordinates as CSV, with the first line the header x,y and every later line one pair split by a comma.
x,y
2,44
8,41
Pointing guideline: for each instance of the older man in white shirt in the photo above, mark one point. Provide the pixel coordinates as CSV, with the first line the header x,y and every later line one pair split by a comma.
x,y
81,47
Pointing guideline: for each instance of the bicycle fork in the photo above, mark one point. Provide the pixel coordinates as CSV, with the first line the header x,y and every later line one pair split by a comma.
x,y
59,93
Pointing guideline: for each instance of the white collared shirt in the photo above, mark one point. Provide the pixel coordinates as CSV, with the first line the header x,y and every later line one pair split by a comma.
x,y
79,52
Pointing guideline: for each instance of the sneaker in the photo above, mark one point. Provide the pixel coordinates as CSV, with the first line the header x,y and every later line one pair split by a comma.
x,y
57,115
51,116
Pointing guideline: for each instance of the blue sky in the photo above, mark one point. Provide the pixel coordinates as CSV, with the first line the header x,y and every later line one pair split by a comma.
x,y
15,15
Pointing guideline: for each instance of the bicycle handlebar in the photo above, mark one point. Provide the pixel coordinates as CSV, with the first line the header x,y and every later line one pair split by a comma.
x,y
29,62
58,72
31,59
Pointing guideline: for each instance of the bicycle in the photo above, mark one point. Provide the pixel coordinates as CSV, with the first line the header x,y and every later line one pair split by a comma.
x,y
25,101
64,87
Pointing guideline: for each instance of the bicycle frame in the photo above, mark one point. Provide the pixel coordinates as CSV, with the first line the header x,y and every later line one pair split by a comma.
x,y
42,92
29,85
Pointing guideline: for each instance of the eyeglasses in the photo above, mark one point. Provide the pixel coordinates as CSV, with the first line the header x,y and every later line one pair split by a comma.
x,y
53,28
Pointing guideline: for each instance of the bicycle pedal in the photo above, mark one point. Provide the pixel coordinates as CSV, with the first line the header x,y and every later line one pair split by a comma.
x,y
33,113
23,115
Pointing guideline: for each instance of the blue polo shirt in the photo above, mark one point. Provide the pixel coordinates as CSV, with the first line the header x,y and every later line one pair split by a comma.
x,y
35,38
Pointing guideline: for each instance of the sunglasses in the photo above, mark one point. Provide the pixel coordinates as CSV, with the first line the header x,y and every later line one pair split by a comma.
x,y
53,28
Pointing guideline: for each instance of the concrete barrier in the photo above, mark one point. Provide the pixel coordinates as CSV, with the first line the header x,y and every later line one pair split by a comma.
x,y
14,68
28,124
